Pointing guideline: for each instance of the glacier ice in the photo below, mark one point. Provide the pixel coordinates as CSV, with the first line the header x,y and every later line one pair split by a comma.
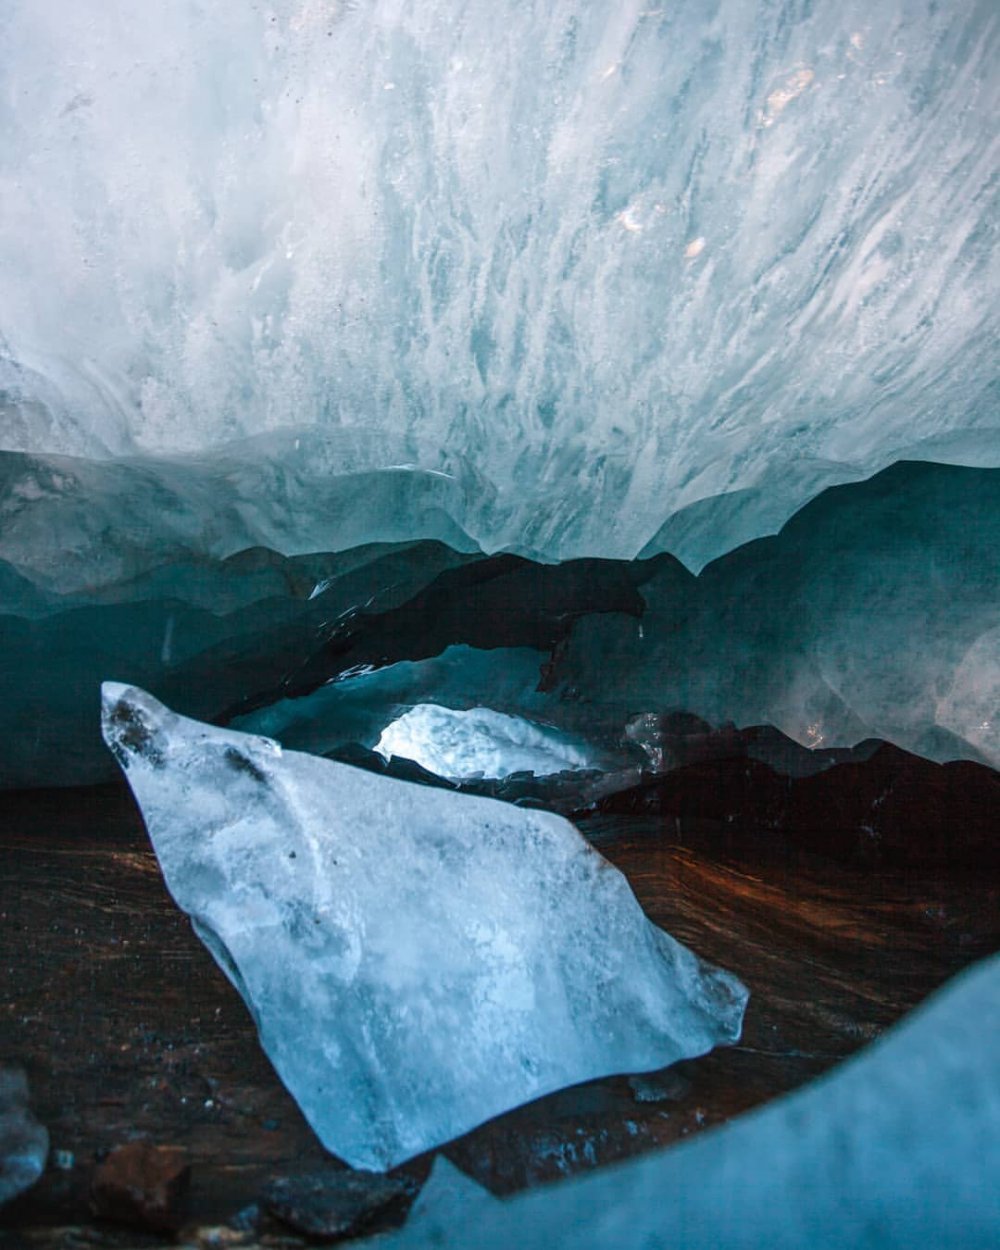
x,y
623,260
357,707
873,613
73,525
479,742
896,1148
416,961
205,633
449,1199
24,1143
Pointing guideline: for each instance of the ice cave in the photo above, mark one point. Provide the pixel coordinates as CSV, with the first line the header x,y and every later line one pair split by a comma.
x,y
500,624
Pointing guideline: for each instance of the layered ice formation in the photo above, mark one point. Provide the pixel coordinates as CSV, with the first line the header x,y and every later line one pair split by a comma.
x,y
897,1148
416,961
478,743
875,612
625,263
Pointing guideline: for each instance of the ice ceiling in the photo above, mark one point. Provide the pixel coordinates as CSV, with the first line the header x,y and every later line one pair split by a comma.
x,y
601,263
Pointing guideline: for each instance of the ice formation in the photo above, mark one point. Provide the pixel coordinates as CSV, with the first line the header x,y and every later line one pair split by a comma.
x,y
873,613
896,1148
358,706
24,1143
448,1200
478,743
416,961
601,264
204,632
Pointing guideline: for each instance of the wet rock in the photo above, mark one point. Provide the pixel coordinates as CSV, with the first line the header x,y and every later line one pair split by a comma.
x,y
142,1185
24,1143
335,1204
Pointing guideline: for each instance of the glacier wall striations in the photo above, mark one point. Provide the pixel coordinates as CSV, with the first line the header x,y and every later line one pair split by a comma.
x,y
613,263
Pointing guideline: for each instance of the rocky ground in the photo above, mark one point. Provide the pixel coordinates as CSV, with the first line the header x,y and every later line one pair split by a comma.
x,y
167,1123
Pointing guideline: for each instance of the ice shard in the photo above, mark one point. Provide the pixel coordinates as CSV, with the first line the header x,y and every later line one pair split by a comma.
x,y
416,961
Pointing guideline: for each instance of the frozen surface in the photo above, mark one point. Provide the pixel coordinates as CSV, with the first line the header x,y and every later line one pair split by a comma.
x,y
74,525
895,1149
874,613
619,259
24,1143
478,743
416,961
448,1200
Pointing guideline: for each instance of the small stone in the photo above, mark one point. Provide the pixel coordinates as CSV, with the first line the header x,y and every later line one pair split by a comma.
x,y
665,1086
246,1220
334,1204
142,1185
24,1143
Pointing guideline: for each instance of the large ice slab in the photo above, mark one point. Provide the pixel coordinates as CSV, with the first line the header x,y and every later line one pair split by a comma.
x,y
896,1149
416,961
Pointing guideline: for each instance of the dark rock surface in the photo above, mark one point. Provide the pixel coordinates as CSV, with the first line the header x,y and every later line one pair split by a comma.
x,y
126,1026
333,1204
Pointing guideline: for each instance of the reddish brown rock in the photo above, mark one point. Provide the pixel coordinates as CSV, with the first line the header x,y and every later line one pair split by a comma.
x,y
142,1185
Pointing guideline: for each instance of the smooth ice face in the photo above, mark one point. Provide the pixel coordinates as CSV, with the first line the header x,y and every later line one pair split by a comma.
x,y
416,961
478,743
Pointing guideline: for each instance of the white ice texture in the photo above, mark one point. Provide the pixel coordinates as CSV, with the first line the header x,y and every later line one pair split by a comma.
x,y
613,259
895,1149
480,742
416,960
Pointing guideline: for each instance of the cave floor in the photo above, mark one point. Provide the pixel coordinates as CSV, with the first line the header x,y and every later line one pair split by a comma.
x,y
126,1027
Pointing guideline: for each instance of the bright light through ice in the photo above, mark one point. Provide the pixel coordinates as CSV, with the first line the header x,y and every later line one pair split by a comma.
x,y
478,743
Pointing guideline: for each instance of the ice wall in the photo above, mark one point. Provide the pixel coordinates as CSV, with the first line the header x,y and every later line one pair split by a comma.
x,y
875,612
622,258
